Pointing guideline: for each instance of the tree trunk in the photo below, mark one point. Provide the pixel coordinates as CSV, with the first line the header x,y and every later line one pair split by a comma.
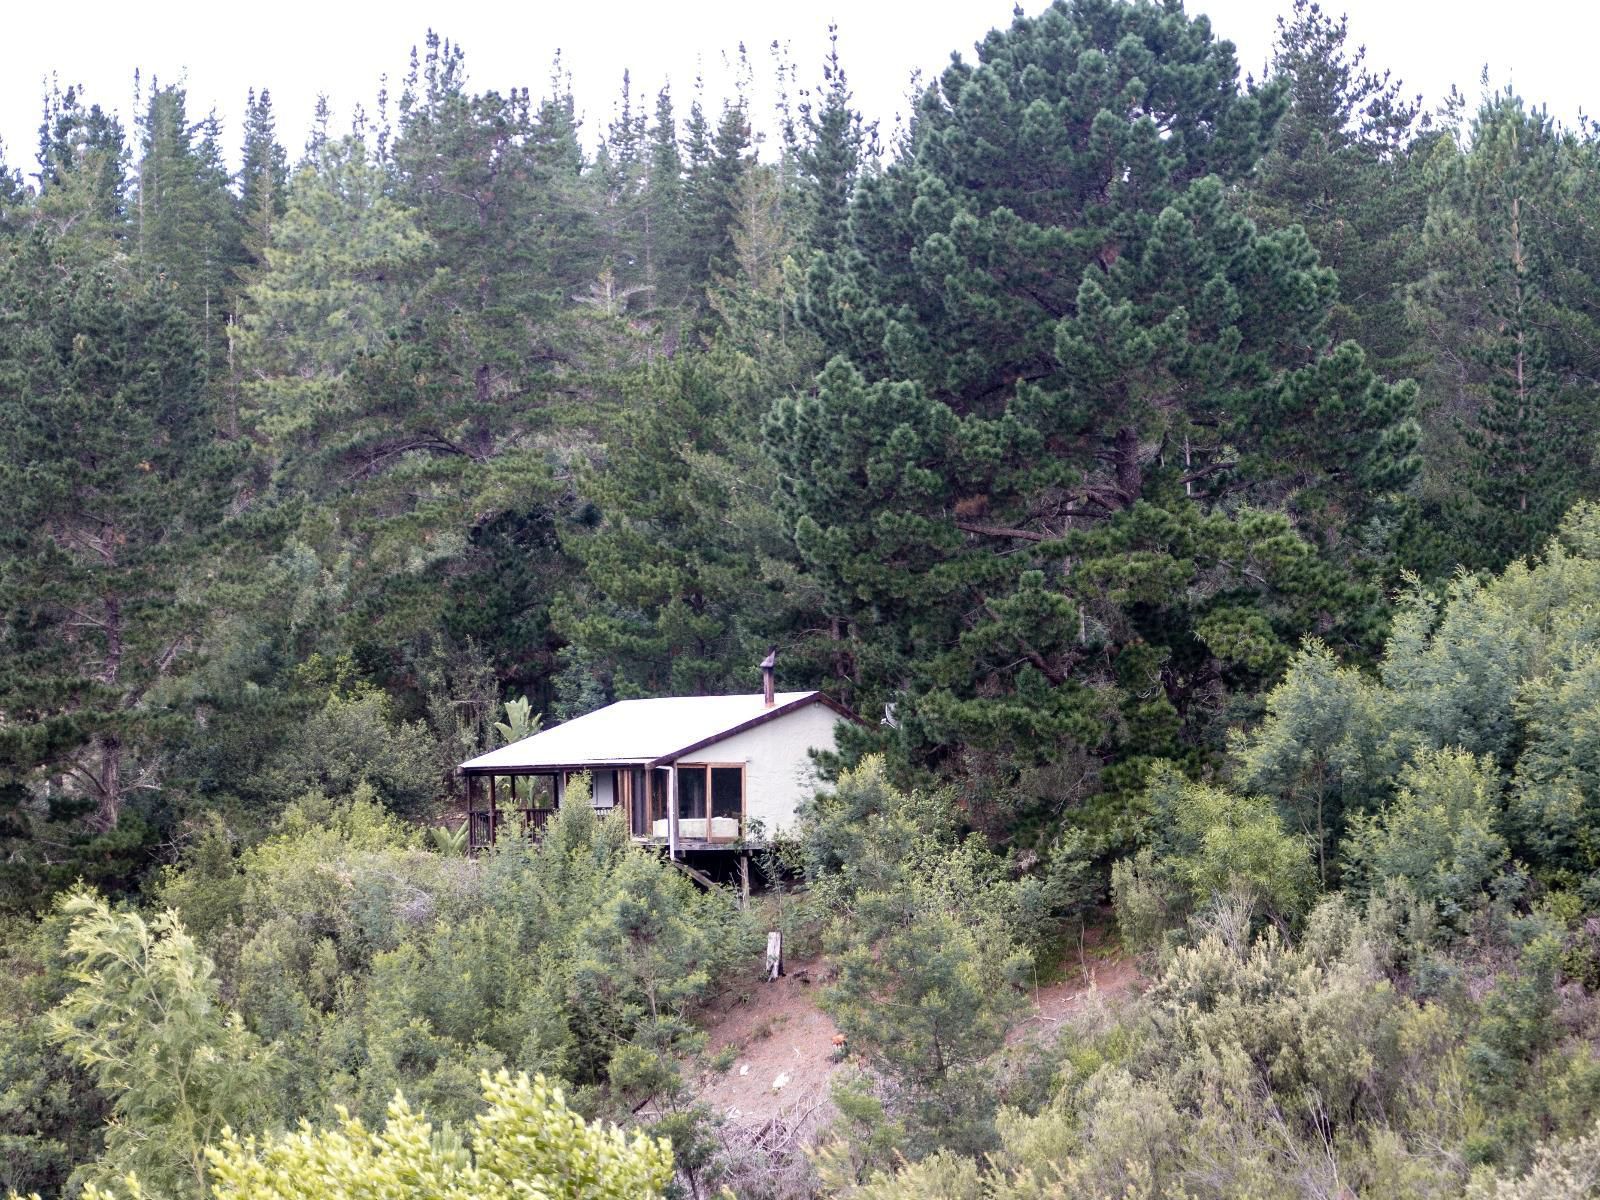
x,y
1130,472
109,745
109,780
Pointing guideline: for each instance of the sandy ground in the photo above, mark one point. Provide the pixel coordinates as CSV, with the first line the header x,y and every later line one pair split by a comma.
x,y
786,1050
785,1053
1059,1002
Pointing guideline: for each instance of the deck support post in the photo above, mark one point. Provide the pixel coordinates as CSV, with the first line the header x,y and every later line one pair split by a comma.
x,y
494,813
744,879
672,813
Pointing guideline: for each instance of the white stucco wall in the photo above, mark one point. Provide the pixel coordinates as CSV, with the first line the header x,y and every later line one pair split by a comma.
x,y
779,773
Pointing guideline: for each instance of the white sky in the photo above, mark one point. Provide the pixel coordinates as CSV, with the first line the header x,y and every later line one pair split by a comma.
x,y
296,48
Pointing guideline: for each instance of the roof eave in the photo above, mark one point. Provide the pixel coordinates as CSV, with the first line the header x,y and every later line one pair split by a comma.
x,y
597,764
759,719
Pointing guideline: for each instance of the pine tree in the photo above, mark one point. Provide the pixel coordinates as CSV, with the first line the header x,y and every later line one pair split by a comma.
x,y
715,161
83,165
263,178
115,485
688,578
836,145
187,232
321,118
12,195
1510,301
1521,463
666,250
619,170
1346,166
332,288
496,183
1066,369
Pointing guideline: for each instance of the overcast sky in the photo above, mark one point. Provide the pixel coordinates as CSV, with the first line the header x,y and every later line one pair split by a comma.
x,y
296,48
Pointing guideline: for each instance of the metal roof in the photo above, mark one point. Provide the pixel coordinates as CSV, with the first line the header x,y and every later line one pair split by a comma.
x,y
640,732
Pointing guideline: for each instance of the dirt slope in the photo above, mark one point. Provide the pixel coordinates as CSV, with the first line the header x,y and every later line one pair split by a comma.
x,y
786,1050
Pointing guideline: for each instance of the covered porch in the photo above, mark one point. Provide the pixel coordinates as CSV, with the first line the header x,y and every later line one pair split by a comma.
x,y
681,806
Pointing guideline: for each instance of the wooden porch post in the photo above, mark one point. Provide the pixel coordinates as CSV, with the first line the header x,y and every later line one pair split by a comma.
x,y
494,815
744,879
672,813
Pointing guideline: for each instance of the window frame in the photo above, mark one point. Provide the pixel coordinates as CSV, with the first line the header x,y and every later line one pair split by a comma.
x,y
744,795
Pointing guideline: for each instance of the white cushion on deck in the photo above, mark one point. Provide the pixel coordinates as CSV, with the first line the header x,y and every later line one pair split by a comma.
x,y
722,828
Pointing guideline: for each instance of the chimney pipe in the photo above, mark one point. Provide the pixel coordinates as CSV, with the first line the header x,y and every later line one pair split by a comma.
x,y
768,665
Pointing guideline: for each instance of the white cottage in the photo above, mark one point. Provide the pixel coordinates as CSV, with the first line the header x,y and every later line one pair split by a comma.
x,y
691,773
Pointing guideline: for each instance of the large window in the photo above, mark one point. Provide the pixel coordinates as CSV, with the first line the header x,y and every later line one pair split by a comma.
x,y
714,790
691,793
727,792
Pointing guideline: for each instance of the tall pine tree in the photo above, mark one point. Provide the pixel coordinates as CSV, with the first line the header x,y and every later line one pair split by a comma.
x,y
187,233
1067,375
83,168
115,484
1510,305
263,178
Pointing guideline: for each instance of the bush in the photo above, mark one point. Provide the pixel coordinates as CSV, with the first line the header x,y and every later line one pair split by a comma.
x,y
1209,845
526,1143
1438,834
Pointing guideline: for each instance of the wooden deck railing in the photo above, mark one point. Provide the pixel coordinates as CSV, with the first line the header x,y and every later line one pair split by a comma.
x,y
483,828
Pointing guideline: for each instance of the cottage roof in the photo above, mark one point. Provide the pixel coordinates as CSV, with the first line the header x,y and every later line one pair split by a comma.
x,y
641,732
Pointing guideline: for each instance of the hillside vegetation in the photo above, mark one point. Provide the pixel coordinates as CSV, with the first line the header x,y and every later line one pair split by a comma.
x,y
1192,478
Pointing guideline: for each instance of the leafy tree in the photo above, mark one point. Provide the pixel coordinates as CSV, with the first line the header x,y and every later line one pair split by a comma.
x,y
526,1140
1323,751
1562,1170
926,959
1480,714
1439,833
1248,1068
642,950
1208,846
145,1019
353,741
377,965
1516,1028
52,1116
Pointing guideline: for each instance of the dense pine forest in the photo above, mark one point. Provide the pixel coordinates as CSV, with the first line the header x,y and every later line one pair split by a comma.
x,y
1191,474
